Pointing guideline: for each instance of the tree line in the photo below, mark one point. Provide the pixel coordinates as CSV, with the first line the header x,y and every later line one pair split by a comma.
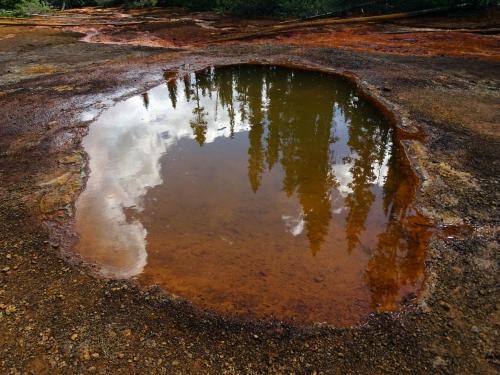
x,y
277,8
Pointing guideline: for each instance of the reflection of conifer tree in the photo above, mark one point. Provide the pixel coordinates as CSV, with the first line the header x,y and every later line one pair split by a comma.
x,y
296,124
302,137
315,179
399,256
367,141
199,123
255,152
145,100
187,87
256,156
224,81
243,81
359,202
204,81
279,133
273,139
172,91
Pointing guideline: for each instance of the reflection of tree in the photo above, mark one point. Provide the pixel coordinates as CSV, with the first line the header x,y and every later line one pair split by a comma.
x,y
291,121
299,132
255,151
172,91
145,100
199,123
367,142
399,255
187,87
224,79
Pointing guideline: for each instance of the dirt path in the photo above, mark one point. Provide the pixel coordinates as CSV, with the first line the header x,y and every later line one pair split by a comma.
x,y
55,317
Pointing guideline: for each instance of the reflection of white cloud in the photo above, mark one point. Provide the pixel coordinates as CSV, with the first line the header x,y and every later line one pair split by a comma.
x,y
337,211
343,175
382,169
125,145
294,225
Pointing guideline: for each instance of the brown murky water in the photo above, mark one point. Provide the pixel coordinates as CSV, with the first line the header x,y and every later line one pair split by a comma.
x,y
254,191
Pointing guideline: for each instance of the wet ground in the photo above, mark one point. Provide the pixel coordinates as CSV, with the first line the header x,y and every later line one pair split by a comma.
x,y
56,317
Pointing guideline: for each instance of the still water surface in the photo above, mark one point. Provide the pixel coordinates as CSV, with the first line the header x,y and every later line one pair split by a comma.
x,y
254,191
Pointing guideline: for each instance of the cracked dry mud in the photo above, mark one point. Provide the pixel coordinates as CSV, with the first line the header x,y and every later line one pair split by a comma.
x,y
56,317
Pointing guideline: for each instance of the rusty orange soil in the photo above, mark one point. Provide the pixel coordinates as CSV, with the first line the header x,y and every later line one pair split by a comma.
x,y
176,28
420,36
383,39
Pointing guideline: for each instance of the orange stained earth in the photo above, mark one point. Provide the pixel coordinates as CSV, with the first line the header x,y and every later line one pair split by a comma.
x,y
255,192
393,40
453,35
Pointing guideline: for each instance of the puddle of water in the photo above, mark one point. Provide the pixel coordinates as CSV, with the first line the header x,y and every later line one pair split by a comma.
x,y
254,191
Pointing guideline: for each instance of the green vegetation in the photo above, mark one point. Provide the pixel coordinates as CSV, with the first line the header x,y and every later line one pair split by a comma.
x,y
304,8
20,8
297,8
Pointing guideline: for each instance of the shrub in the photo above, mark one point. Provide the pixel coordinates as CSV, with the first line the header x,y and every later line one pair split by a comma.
x,y
294,8
21,8
140,3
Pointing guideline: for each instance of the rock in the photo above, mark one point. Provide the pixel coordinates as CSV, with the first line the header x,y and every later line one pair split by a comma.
x,y
175,363
75,158
444,305
10,309
74,336
127,332
438,362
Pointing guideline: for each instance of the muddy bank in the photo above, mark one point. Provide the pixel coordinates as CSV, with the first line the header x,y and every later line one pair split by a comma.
x,y
57,318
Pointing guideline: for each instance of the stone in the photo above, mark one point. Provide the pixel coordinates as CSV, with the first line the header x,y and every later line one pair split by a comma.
x,y
444,305
438,362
